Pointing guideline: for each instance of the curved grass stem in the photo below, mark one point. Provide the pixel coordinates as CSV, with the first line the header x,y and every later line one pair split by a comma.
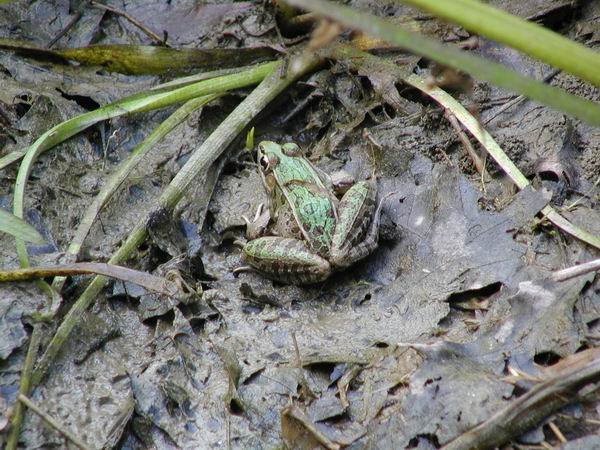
x,y
479,68
133,104
199,163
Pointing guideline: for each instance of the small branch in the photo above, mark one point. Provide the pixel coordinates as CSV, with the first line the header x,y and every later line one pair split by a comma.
x,y
131,19
576,271
53,422
527,411
464,139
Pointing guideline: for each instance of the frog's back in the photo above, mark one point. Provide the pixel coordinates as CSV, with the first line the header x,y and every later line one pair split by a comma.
x,y
315,213
310,202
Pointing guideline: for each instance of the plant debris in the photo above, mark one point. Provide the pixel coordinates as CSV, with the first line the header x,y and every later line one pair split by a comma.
x,y
473,325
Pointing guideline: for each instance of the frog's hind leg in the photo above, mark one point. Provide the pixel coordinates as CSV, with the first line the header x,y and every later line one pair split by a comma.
x,y
287,260
355,215
357,245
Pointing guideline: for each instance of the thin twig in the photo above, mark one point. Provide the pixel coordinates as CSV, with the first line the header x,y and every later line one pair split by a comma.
x,y
576,271
561,437
464,139
53,422
198,164
531,408
134,21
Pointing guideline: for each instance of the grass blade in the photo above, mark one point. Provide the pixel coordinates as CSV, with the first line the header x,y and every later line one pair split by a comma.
x,y
136,103
477,67
18,228
526,36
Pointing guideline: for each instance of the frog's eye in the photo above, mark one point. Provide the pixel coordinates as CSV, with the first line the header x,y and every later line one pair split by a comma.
x,y
291,149
268,163
264,163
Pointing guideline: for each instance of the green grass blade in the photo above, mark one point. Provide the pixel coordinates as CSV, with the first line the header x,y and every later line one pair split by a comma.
x,y
477,67
528,37
17,227
136,103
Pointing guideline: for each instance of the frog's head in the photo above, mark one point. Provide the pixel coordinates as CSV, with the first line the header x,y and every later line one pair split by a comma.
x,y
270,154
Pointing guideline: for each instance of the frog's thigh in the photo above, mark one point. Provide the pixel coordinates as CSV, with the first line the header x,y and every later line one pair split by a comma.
x,y
355,214
286,259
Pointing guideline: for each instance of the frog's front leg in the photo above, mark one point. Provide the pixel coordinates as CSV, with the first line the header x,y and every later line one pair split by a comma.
x,y
258,225
357,231
287,260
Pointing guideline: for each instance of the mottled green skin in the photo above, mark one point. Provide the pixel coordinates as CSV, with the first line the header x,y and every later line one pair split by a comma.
x,y
317,234
354,236
287,260
297,188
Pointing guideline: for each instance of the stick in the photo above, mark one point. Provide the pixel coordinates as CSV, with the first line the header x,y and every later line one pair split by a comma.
x,y
53,423
534,406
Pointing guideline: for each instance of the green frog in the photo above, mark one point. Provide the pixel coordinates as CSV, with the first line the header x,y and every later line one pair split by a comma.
x,y
315,234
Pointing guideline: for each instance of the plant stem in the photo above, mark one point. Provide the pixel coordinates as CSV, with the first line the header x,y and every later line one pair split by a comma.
x,y
529,37
198,164
480,68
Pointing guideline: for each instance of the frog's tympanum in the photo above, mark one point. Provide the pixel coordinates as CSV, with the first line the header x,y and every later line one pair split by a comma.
x,y
314,233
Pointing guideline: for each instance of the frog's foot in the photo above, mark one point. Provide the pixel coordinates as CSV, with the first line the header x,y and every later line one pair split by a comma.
x,y
259,223
286,259
346,254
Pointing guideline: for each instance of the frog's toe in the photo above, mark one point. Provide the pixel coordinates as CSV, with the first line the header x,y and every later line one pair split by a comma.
x,y
257,226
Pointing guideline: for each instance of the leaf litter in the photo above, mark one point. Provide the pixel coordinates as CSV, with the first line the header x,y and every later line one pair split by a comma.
x,y
408,348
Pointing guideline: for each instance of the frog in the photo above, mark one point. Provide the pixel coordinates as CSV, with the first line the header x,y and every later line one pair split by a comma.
x,y
314,234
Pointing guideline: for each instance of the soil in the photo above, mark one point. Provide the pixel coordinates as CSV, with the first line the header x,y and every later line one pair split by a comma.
x,y
409,348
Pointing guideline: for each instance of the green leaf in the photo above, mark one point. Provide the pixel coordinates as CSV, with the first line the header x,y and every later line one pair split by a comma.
x,y
526,36
475,66
250,140
19,228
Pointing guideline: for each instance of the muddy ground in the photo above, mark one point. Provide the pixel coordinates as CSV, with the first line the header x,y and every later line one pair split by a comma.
x,y
411,347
